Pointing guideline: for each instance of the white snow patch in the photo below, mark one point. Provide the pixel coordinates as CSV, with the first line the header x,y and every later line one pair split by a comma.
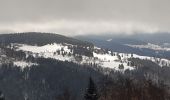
x,y
150,46
49,51
109,61
23,64
104,60
105,57
109,40
46,48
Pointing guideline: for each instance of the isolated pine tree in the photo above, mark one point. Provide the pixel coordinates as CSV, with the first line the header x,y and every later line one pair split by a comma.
x,y
121,66
91,92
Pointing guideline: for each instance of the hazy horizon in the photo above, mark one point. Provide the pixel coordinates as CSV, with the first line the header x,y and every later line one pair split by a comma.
x,y
79,17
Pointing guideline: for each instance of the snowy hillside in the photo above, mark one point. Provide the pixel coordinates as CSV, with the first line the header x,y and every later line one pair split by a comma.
x,y
23,64
37,45
150,46
64,52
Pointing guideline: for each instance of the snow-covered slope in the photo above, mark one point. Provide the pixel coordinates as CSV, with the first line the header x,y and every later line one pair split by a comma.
x,y
108,60
46,48
54,51
62,52
23,64
150,46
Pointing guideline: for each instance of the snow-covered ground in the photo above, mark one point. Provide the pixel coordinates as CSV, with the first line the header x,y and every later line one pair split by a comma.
x,y
48,51
23,64
107,60
46,48
150,46
109,40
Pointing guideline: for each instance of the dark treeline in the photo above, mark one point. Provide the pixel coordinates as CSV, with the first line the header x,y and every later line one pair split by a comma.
x,y
133,89
62,80
56,80
46,81
37,38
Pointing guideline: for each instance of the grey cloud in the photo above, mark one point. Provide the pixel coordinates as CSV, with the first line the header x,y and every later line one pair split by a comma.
x,y
85,15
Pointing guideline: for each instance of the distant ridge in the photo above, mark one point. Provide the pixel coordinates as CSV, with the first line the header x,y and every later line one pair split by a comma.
x,y
39,38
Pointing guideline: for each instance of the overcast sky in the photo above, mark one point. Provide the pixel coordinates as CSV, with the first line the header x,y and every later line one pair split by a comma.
x,y
72,17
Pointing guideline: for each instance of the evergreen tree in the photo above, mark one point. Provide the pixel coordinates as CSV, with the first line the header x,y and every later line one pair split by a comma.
x,y
121,66
131,55
91,93
119,57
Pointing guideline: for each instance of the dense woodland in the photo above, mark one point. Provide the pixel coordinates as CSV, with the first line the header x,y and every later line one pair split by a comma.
x,y
62,80
34,38
57,80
